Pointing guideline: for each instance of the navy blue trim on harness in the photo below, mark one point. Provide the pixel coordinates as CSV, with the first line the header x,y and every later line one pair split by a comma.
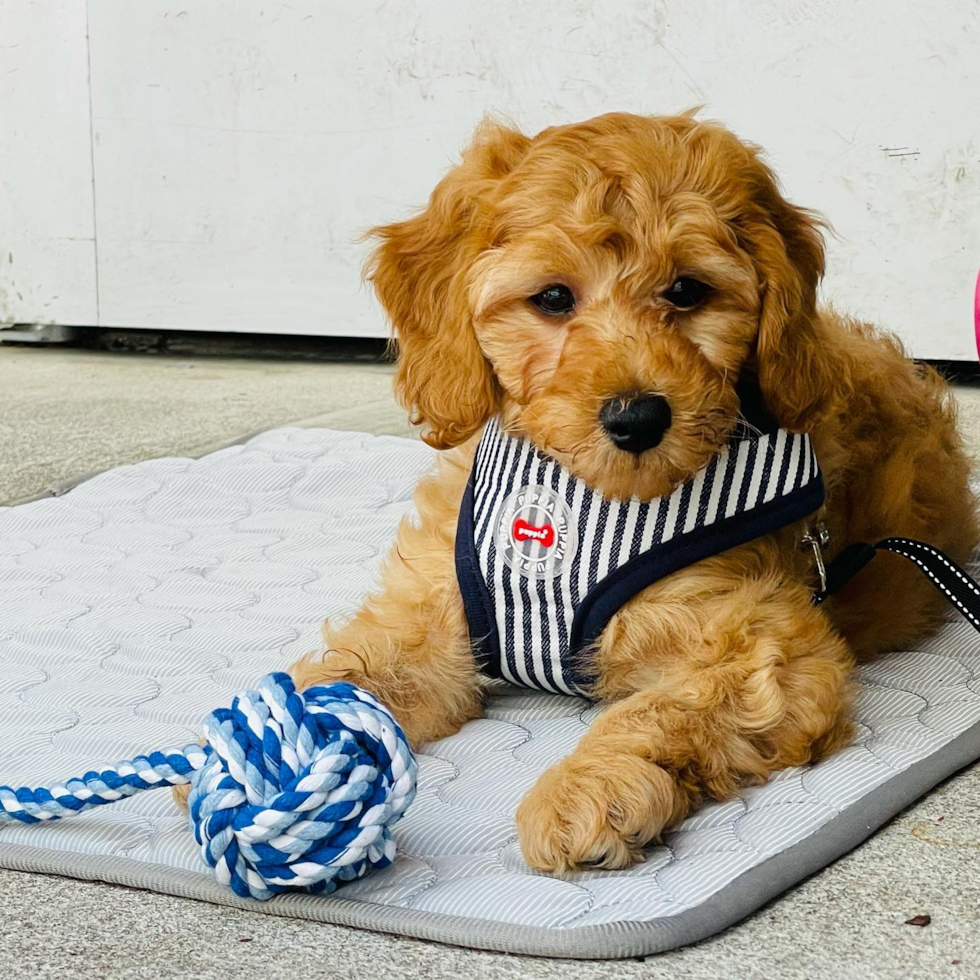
x,y
477,604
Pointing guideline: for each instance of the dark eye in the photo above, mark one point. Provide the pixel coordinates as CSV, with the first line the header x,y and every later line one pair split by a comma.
x,y
554,300
686,292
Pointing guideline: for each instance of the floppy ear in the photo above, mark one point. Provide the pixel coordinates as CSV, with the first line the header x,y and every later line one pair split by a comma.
x,y
419,273
793,368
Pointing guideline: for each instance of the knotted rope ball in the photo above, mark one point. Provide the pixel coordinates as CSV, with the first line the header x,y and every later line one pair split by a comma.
x,y
290,791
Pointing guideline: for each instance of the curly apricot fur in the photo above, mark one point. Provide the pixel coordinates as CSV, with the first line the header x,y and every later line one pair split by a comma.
x,y
723,672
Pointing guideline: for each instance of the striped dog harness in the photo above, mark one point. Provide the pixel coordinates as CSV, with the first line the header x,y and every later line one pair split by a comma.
x,y
544,561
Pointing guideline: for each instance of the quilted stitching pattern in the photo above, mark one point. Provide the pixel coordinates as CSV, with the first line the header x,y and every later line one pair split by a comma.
x,y
154,592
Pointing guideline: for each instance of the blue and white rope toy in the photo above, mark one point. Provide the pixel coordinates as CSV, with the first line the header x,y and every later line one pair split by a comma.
x,y
289,792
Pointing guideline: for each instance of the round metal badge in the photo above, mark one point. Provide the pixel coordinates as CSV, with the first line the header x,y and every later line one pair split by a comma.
x,y
535,532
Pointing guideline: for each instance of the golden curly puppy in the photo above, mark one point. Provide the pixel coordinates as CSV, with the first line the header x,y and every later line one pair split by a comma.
x,y
631,260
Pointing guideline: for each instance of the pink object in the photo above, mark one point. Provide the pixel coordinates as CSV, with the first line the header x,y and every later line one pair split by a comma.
x,y
976,314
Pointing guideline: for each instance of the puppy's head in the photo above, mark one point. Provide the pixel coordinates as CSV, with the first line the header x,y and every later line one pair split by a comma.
x,y
602,286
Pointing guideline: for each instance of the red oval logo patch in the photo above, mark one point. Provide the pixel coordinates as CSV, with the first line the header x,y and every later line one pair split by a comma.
x,y
544,534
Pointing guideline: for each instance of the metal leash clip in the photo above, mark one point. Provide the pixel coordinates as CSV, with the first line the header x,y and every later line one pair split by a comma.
x,y
818,537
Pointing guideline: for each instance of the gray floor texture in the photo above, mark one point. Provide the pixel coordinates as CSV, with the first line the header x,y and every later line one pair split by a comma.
x,y
66,412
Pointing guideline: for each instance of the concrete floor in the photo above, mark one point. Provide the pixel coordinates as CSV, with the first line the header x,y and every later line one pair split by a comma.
x,y
65,412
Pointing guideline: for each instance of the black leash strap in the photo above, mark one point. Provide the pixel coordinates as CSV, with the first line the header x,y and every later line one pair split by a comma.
x,y
943,572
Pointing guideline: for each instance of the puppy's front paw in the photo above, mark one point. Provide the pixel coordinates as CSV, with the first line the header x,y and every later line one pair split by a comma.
x,y
596,811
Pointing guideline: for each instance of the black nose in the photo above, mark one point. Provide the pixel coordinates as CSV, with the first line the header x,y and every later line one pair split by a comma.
x,y
636,423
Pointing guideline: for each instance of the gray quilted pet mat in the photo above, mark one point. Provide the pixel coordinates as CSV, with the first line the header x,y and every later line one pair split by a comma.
x,y
152,593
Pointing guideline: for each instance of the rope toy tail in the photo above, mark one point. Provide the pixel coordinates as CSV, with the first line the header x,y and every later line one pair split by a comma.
x,y
290,791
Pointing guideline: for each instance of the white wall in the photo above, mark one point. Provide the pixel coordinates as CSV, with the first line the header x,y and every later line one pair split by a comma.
x,y
240,147
47,236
